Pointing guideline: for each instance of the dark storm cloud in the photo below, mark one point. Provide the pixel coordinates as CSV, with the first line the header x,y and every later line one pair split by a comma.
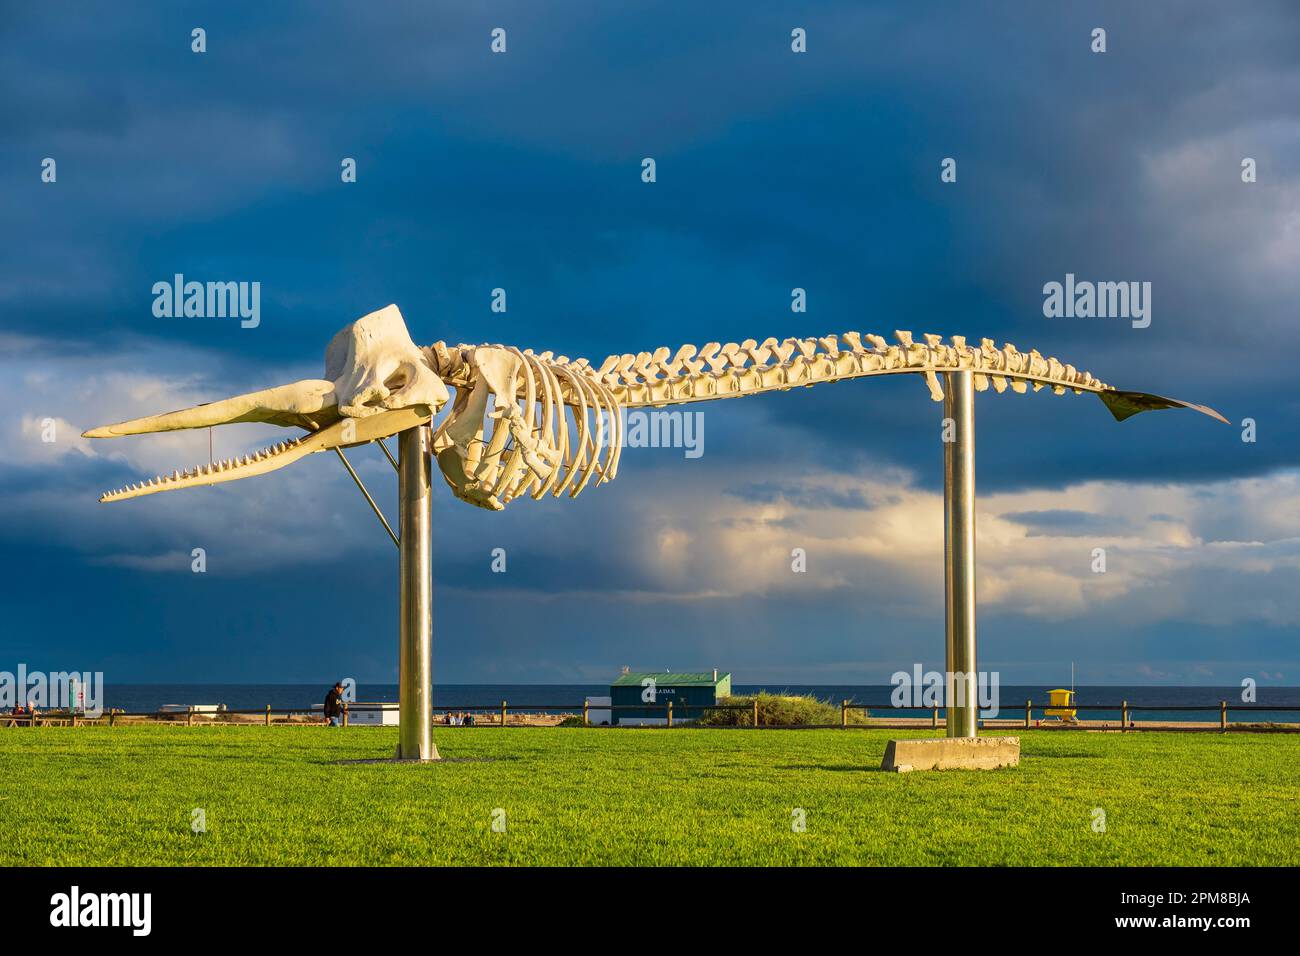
x,y
1063,522
768,492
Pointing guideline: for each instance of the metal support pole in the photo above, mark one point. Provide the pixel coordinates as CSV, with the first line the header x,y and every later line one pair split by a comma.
x,y
959,550
415,584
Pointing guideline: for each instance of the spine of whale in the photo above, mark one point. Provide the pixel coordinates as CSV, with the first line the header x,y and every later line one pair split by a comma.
x,y
717,370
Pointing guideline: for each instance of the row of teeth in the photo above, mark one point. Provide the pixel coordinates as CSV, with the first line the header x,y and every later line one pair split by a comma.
x,y
210,469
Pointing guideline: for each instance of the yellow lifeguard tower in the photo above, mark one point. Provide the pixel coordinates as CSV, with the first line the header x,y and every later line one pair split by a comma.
x,y
1061,705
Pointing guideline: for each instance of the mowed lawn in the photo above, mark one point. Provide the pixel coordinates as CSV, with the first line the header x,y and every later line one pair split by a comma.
x,y
285,795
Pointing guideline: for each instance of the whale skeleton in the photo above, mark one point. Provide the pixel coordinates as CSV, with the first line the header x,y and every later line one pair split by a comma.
x,y
537,424
527,423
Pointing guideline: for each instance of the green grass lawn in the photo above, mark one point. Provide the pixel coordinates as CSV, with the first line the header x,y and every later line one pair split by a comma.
x,y
279,795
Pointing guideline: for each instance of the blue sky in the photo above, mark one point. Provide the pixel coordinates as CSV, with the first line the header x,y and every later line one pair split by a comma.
x,y
775,170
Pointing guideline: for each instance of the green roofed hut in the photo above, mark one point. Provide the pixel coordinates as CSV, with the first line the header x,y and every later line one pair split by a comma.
x,y
639,698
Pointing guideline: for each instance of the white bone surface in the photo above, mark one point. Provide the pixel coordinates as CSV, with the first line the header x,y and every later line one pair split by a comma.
x,y
527,423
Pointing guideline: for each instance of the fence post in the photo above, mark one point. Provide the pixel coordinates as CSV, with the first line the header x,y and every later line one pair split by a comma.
x,y
934,719
755,711
844,715
1223,715
345,713
503,713
1123,719
1029,713
670,713
74,717
189,718
268,715
112,712
586,713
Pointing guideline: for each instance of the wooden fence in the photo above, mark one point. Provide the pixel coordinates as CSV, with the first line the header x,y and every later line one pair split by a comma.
x,y
1128,713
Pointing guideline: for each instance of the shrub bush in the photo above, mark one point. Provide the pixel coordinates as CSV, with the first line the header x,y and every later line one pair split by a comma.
x,y
778,710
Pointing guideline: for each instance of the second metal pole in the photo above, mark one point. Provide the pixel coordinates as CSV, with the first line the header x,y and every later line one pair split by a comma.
x,y
415,584
959,551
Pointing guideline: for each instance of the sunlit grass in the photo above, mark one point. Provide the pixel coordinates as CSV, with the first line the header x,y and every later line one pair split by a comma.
x,y
281,795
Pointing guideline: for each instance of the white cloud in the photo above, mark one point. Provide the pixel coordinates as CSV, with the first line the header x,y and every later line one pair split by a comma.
x,y
47,439
1172,553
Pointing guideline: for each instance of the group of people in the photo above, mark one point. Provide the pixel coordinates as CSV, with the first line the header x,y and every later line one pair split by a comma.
x,y
334,711
25,715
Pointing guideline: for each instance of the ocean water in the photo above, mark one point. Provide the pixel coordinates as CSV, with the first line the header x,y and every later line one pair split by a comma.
x,y
141,698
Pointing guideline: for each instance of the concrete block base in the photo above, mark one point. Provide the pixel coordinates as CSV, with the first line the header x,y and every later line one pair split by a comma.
x,y
951,753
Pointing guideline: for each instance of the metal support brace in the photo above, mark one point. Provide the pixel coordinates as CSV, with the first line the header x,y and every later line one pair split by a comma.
x,y
373,507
